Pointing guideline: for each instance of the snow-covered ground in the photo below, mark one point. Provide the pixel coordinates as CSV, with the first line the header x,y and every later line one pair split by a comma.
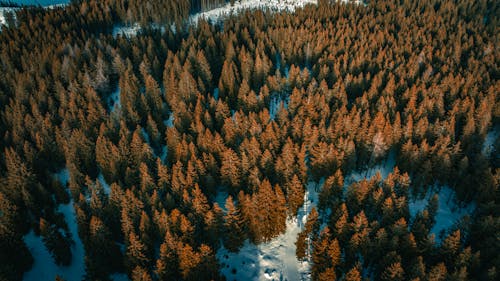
x,y
385,168
218,14
220,199
275,105
170,121
114,101
119,277
44,267
3,12
48,4
275,260
448,210
104,184
489,142
127,30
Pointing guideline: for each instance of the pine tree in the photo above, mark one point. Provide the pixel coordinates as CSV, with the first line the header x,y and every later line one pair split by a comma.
x,y
168,263
393,272
332,191
295,195
140,274
233,227
353,274
136,252
230,172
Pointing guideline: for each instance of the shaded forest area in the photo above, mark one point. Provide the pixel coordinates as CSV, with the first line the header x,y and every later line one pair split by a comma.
x,y
414,78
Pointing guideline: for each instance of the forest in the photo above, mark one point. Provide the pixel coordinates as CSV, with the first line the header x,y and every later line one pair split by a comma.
x,y
138,136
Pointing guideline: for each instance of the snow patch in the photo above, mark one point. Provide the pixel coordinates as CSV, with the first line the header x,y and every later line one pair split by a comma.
x,y
276,259
385,168
220,199
276,104
63,176
170,121
119,277
489,142
216,94
127,30
104,184
164,153
448,213
114,101
3,12
132,30
146,136
44,267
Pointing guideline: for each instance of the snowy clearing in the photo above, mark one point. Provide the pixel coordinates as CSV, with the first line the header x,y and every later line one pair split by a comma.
x,y
448,212
275,260
44,267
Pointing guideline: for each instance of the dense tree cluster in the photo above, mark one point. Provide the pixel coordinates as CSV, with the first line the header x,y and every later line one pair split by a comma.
x,y
418,79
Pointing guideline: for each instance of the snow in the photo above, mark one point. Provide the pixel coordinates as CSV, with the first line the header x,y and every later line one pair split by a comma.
x,y
216,94
48,4
126,31
274,260
63,176
114,100
276,103
132,30
104,184
219,14
489,142
448,210
170,121
220,199
44,267
164,153
385,168
3,11
119,277
146,136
